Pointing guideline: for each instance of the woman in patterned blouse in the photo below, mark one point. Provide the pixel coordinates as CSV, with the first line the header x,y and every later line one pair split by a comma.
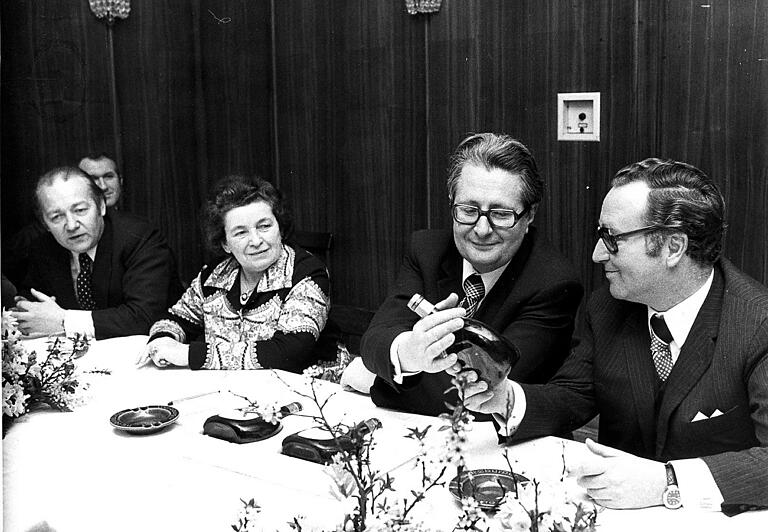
x,y
262,306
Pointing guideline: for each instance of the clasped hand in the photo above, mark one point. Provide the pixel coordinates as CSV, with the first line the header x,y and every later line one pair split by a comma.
x,y
423,347
43,316
164,352
616,479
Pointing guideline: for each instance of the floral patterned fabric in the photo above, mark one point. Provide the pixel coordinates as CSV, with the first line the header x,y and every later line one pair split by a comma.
x,y
276,328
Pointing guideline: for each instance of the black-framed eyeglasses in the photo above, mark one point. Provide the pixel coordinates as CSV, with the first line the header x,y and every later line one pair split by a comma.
x,y
501,218
612,241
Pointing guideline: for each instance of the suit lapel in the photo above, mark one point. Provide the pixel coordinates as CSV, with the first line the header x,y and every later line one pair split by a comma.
x,y
695,358
635,344
450,279
102,266
61,278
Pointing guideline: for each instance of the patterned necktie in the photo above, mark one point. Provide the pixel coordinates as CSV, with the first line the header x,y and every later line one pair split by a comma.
x,y
474,291
84,280
660,340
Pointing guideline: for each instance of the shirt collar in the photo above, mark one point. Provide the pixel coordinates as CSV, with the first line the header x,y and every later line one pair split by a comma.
x,y
489,279
91,253
680,318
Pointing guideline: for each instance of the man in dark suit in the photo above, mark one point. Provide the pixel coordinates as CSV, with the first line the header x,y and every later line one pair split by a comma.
x,y
93,273
528,292
674,359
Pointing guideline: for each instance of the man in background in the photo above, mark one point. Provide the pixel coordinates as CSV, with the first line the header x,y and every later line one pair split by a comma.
x,y
94,273
508,276
103,171
674,358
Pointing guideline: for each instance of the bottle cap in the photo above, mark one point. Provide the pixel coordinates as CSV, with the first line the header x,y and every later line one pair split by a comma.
x,y
420,306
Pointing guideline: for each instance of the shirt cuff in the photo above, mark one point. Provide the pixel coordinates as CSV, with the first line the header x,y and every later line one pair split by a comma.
x,y
509,427
78,322
397,373
698,489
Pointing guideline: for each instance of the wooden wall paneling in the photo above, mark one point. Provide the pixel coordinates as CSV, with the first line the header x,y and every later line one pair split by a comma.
x,y
156,94
350,135
54,96
715,111
237,87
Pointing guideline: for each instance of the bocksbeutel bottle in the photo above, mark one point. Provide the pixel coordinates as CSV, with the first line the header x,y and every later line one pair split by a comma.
x,y
319,445
477,345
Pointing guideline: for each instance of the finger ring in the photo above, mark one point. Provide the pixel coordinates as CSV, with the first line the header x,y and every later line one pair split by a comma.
x,y
162,362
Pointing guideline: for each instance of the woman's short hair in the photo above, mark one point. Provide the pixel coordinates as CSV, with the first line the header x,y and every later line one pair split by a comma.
x,y
682,198
492,150
237,191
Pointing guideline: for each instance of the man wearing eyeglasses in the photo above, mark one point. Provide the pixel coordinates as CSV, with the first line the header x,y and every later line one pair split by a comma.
x,y
674,359
494,263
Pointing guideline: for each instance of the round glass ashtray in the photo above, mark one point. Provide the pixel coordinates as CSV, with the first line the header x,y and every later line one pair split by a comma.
x,y
487,486
144,419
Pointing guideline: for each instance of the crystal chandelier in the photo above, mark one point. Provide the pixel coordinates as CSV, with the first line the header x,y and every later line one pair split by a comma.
x,y
111,9
414,7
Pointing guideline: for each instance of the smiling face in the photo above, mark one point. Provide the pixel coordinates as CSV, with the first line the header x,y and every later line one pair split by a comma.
x,y
253,236
633,274
485,247
71,213
104,174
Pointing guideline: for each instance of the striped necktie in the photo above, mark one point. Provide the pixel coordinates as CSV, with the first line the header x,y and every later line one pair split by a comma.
x,y
474,291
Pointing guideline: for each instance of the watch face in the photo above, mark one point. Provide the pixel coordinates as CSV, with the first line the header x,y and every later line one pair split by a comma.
x,y
672,497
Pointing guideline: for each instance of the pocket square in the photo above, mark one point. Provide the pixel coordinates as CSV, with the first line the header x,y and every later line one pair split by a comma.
x,y
698,417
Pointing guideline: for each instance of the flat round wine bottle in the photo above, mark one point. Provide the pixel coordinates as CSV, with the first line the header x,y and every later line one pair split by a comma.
x,y
477,345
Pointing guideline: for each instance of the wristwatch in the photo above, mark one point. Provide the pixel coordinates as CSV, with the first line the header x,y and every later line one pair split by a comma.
x,y
671,495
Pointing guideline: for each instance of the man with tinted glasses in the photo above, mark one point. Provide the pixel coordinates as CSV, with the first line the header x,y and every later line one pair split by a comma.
x,y
674,359
494,262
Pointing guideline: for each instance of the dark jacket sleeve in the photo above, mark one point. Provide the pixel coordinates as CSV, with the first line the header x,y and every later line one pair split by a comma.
x,y
291,346
146,263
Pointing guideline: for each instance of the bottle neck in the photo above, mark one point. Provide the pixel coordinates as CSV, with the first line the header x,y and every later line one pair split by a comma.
x,y
421,306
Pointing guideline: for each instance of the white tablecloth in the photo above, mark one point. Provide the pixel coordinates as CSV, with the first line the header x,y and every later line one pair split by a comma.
x,y
75,472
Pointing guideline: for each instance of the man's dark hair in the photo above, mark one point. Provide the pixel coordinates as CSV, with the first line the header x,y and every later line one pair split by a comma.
x,y
491,151
682,198
98,155
65,173
237,191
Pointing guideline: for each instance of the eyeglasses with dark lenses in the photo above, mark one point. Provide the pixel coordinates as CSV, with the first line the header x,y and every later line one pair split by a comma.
x,y
612,241
501,218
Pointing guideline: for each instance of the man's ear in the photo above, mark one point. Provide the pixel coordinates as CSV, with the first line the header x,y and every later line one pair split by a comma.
x,y
677,245
103,207
531,214
225,247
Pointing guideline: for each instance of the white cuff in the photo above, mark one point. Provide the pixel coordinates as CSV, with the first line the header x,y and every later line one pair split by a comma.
x,y
698,489
519,406
78,321
397,374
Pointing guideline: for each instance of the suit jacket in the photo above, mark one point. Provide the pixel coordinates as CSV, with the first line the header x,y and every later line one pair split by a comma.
x,y
533,304
134,276
722,365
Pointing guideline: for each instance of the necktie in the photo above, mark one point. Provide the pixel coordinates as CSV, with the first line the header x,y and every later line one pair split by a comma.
x,y
660,340
474,291
84,280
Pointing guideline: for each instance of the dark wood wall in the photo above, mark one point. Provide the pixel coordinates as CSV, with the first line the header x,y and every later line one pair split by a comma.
x,y
353,106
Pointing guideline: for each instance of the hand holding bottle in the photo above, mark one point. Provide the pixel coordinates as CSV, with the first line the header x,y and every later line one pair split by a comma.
x,y
479,396
423,348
